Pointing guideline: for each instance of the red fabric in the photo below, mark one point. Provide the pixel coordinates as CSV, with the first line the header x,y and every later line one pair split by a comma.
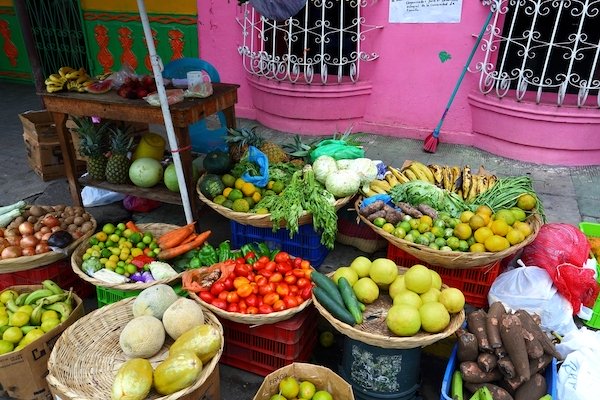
x,y
562,249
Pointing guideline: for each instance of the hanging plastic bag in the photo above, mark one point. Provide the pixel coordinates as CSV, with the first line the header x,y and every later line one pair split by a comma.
x,y
259,158
93,196
579,373
531,289
278,10
338,149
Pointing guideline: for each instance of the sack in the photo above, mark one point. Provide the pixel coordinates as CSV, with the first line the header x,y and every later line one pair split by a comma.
x,y
139,204
201,279
278,10
93,196
338,149
579,374
531,289
259,158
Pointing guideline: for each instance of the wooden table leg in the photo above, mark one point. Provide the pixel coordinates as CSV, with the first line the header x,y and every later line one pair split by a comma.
x,y
230,116
184,142
68,153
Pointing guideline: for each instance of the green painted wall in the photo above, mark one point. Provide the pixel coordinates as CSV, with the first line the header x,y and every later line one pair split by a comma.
x,y
14,63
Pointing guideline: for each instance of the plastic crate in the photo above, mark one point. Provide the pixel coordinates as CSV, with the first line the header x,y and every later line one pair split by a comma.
x,y
108,296
593,230
265,348
305,244
475,283
550,375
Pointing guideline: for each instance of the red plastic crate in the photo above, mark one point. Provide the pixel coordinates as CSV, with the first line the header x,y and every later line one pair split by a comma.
x,y
475,283
265,348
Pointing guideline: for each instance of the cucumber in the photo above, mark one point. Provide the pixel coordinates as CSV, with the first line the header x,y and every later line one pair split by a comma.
x,y
350,299
337,310
327,285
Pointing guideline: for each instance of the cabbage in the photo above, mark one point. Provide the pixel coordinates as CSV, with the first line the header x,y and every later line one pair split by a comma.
x,y
323,167
365,168
342,183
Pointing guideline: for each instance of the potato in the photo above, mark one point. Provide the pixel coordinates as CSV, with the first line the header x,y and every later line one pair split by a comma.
x,y
36,211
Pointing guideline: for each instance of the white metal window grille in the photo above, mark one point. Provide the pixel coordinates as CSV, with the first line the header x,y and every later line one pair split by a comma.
x,y
546,50
322,40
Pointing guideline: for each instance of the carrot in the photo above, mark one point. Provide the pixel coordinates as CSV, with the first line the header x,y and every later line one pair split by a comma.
x,y
184,248
188,239
175,236
132,226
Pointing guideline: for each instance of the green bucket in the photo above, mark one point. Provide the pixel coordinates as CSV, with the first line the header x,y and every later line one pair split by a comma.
x,y
377,373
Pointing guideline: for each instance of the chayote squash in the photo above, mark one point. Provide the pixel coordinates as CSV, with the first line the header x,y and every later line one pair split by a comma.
x,y
211,186
133,380
204,340
177,372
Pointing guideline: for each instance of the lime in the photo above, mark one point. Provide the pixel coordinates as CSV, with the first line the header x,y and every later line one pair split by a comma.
x,y
526,202
389,228
219,199
130,269
127,233
453,242
405,225
269,192
439,223
415,233
430,236
463,245
414,223
409,237
434,246
448,232
120,271
440,242
147,239
437,231
399,232
108,228
93,240
121,226
240,205
422,240
379,222
278,187
423,227
235,194
227,204
250,201
135,237
239,182
261,210
106,253
228,180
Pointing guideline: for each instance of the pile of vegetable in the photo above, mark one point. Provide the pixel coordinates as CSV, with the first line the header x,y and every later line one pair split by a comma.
x,y
505,352
30,230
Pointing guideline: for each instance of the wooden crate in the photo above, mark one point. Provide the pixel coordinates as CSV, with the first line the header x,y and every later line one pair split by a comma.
x,y
46,159
39,125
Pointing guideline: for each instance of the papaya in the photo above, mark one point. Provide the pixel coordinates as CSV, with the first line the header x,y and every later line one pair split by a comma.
x,y
177,372
204,340
133,380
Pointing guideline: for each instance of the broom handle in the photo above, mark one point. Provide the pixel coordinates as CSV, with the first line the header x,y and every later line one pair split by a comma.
x,y
436,131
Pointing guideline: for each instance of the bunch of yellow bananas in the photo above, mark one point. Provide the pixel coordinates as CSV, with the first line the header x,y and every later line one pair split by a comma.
x,y
393,177
462,181
74,80
417,171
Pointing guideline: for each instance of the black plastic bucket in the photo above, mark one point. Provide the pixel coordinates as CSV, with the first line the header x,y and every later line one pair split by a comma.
x,y
376,373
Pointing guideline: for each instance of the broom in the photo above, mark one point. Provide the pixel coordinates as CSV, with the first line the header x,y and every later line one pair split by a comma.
x,y
431,141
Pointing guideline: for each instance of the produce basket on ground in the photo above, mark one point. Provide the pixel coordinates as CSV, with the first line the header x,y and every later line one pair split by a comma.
x,y
24,263
260,220
453,259
374,330
156,229
86,358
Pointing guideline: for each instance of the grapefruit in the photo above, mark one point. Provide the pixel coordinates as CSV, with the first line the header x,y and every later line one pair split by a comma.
x,y
403,320
383,271
366,290
418,279
434,317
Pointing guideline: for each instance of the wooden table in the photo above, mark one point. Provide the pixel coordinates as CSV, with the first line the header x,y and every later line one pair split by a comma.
x,y
112,106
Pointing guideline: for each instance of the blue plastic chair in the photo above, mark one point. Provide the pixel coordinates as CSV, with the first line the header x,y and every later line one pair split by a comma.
x,y
203,139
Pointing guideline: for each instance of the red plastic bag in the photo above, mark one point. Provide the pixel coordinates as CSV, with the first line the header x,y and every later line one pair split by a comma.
x,y
139,204
562,250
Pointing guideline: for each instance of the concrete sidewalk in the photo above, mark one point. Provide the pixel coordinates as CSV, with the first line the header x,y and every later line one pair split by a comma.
x,y
569,195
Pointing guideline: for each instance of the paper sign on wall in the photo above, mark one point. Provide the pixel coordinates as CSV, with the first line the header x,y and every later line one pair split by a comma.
x,y
425,11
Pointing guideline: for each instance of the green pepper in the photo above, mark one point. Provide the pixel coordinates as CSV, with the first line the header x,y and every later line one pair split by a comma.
x,y
274,253
235,254
195,263
247,248
263,250
208,255
224,251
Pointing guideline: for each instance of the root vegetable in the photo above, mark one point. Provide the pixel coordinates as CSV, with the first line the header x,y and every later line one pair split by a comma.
x,y
425,209
487,361
535,366
36,211
471,372
534,388
377,214
467,348
494,315
507,368
498,393
500,352
534,347
371,208
476,324
511,333
78,221
529,324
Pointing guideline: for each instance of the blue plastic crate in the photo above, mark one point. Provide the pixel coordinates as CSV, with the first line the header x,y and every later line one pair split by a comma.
x,y
550,375
305,244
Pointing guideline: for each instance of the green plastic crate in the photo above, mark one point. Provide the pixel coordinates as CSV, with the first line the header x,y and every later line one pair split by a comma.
x,y
109,296
593,230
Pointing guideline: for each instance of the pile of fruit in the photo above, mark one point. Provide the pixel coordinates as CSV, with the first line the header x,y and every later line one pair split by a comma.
x,y
137,88
419,301
256,283
157,313
28,315
291,388
76,80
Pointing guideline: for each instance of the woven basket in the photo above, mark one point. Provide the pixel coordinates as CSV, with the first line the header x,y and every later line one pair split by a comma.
x,y
374,330
453,259
87,356
259,220
24,263
252,319
156,229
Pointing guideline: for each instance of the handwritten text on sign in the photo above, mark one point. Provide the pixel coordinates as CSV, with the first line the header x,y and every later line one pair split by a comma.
x,y
425,11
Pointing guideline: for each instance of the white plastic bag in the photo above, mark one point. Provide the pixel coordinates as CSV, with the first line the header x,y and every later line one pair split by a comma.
x,y
93,196
531,289
579,374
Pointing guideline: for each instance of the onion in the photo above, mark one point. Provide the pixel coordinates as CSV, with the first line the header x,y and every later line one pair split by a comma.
x,y
42,248
55,228
44,229
50,221
11,252
14,240
11,232
26,228
28,251
38,235
46,236
1,233
28,241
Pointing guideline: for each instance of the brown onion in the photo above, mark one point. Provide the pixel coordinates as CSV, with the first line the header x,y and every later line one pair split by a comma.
x,y
14,240
11,232
42,248
38,235
46,236
28,251
26,228
55,228
44,229
11,252
28,241
1,232
50,221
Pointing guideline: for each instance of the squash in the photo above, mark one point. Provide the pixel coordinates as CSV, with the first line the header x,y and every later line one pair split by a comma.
x,y
177,372
217,162
133,380
204,340
211,186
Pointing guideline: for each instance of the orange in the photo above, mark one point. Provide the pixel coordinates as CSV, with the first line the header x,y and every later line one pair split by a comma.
x,y
248,189
515,236
239,182
485,210
526,202
426,219
524,227
500,227
496,243
476,222
477,248
482,233
465,216
486,218
462,231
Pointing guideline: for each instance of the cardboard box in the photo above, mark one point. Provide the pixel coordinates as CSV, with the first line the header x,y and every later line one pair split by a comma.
x,y
46,159
39,125
23,373
323,378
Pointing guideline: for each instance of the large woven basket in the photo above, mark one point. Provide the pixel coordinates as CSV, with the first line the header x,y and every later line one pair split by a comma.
x,y
87,356
259,220
24,263
453,259
374,330
252,319
156,229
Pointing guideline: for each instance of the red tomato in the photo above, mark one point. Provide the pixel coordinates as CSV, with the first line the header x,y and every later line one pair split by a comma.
x,y
266,273
242,269
284,267
290,301
294,289
290,279
263,260
299,299
222,304
217,288
265,289
276,277
270,298
245,290
240,281
206,296
261,280
228,283
249,255
302,282
233,307
240,260
223,295
232,297
265,309
298,272
251,276
306,292
243,306
296,262
252,310
270,266
282,256
305,264
279,305
283,289
251,301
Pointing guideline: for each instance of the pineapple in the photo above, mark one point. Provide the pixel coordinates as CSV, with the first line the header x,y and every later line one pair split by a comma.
x,y
240,139
298,151
117,167
92,145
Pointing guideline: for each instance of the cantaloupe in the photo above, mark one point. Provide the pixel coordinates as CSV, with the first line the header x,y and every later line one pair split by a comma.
x,y
154,301
142,337
182,316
